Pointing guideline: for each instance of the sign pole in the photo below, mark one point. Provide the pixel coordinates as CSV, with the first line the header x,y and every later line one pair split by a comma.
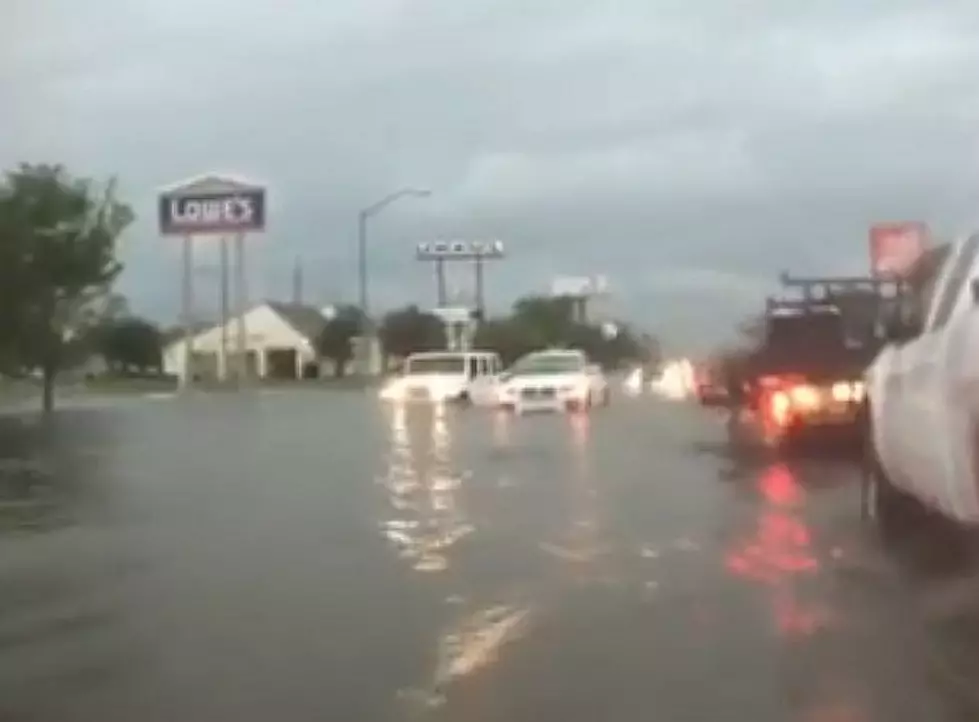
x,y
225,320
440,281
186,378
242,307
479,285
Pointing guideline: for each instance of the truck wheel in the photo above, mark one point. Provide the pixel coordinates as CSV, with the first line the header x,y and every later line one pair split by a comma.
x,y
737,435
895,514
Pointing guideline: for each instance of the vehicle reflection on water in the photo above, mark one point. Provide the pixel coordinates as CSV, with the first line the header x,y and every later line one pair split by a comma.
x,y
581,543
428,518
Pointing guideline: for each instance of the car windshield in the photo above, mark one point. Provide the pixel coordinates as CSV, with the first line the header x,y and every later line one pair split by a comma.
x,y
547,364
435,365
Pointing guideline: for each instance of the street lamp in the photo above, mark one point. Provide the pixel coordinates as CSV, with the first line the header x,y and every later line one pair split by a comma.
x,y
362,218
367,324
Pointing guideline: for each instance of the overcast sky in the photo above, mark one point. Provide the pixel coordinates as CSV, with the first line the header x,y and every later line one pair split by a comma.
x,y
689,150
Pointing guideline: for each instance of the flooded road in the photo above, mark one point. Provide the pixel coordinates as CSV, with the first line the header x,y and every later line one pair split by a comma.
x,y
315,556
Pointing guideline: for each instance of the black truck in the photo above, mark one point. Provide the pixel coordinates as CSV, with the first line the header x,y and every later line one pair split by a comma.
x,y
804,378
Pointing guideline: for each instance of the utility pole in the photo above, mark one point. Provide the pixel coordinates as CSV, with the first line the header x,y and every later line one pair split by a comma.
x,y
297,282
225,320
241,302
187,378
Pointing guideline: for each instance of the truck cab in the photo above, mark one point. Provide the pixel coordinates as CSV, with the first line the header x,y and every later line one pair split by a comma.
x,y
923,403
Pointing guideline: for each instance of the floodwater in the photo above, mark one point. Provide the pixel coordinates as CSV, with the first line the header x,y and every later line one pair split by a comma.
x,y
317,556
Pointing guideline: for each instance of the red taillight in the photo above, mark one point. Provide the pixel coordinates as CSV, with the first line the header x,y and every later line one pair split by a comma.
x,y
784,395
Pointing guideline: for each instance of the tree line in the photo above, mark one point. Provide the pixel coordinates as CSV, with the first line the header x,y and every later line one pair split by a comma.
x,y
534,322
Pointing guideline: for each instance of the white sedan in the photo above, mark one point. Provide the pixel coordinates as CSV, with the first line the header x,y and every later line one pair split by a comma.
x,y
553,380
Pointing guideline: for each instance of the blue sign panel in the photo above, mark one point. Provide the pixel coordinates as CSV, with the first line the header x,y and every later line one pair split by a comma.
x,y
235,212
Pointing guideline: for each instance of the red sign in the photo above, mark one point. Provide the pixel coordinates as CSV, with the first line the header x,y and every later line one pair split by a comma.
x,y
896,247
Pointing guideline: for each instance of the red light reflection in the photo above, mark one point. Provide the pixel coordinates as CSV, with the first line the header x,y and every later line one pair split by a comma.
x,y
779,486
780,551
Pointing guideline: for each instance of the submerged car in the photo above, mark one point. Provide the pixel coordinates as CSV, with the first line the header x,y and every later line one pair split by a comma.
x,y
553,380
444,376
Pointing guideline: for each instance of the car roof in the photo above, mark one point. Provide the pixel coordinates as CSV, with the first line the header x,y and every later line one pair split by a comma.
x,y
557,352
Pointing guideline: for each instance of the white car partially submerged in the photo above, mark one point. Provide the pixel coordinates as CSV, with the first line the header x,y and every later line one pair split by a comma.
x,y
444,376
552,380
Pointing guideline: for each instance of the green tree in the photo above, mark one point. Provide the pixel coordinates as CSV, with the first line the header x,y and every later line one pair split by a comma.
x,y
336,340
551,319
130,343
410,330
538,322
58,239
509,337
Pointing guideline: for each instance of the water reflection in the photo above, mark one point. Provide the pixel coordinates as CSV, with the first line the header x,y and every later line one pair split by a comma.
x,y
582,541
423,489
779,553
47,468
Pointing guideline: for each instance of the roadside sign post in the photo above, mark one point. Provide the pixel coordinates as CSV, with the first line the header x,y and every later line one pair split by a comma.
x,y
187,312
213,205
581,290
225,311
242,307
477,252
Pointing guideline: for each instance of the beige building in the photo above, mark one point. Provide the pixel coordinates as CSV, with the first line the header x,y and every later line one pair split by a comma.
x,y
281,343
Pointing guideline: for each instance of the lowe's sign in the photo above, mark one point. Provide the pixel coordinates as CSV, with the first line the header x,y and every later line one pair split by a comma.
x,y
189,213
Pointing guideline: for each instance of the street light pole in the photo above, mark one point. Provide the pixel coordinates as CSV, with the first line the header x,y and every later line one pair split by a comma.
x,y
367,327
362,266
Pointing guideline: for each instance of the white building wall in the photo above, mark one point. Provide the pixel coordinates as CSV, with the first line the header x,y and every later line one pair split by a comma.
x,y
265,330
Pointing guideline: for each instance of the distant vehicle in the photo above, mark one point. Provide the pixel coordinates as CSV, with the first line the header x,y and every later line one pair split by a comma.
x,y
922,406
553,380
441,376
805,378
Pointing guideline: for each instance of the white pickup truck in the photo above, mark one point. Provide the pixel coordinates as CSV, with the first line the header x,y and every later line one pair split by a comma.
x,y
922,394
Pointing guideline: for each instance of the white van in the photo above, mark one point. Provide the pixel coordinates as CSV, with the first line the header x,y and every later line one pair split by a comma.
x,y
466,376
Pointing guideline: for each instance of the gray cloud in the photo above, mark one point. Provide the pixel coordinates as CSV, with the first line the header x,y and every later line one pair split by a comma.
x,y
690,152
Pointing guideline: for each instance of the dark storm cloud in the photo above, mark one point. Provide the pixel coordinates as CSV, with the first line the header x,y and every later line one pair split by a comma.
x,y
690,151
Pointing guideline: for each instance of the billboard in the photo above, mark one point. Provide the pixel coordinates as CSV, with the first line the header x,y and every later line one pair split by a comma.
x,y
459,250
212,205
896,247
579,286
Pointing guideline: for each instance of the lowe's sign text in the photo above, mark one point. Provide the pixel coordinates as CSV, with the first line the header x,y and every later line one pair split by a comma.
x,y
238,212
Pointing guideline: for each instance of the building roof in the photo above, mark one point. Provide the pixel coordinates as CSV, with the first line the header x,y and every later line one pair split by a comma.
x,y
306,320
